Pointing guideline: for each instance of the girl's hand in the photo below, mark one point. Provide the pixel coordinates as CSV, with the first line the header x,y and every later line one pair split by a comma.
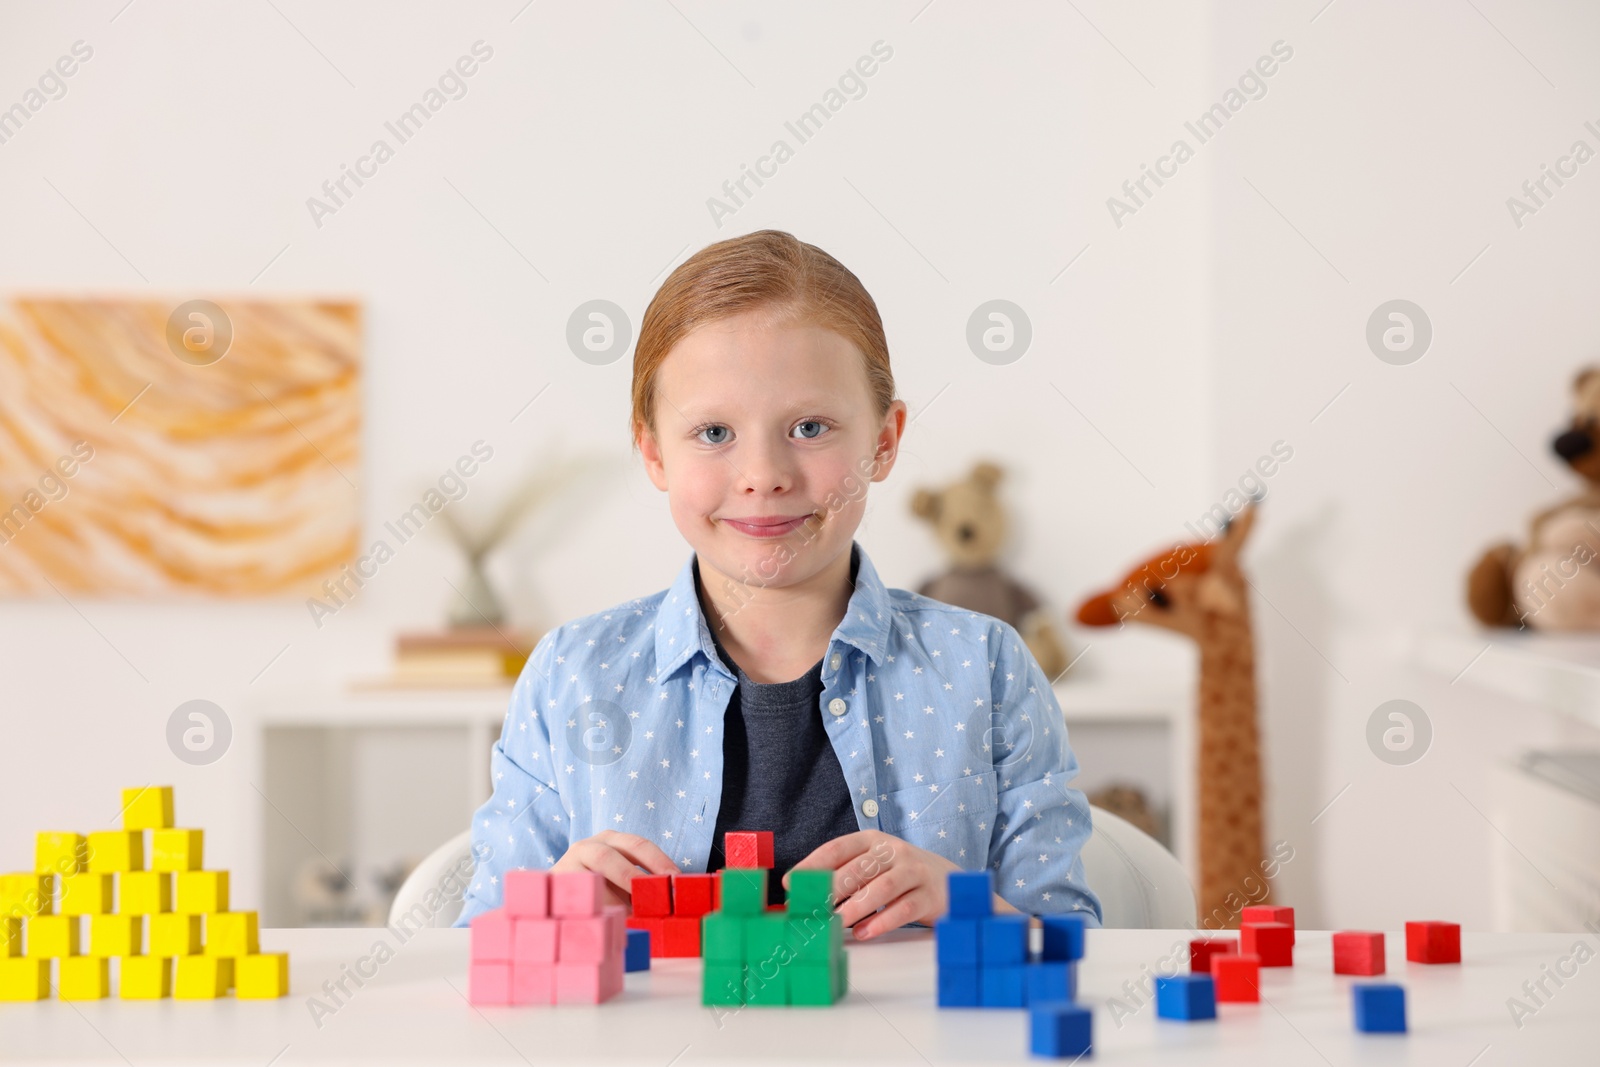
x,y
616,857
874,870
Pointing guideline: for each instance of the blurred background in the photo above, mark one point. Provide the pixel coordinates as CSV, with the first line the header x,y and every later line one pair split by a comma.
x,y
282,283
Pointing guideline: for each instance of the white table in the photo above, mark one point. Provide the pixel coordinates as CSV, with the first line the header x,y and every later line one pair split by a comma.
x,y
414,1010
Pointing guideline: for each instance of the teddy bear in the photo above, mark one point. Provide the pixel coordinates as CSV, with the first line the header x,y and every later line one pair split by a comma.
x,y
971,525
1548,584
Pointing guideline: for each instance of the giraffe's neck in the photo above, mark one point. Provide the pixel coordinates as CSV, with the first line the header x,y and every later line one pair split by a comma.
x,y
1229,773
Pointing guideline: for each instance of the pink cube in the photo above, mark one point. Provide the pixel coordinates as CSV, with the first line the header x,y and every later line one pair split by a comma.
x,y
527,894
588,983
584,940
491,936
576,893
533,983
489,983
534,940
617,923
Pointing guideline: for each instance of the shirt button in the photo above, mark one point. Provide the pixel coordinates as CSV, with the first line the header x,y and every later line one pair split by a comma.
x,y
837,706
869,808
835,661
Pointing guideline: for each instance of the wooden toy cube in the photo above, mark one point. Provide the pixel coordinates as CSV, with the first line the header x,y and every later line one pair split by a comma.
x,y
176,850
27,893
10,936
657,929
956,942
1053,980
576,893
766,937
535,940
815,941
56,852
174,934
1063,937
1203,950
111,851
1237,977
958,987
616,916
491,939
636,955
588,983
747,848
811,891
527,894
1273,943
85,894
200,892
811,982
116,935
693,895
202,977
24,978
1433,942
766,983
1267,913
744,890
1003,985
1060,1031
1380,1008
84,978
232,933
1358,952
52,936
144,978
680,936
723,984
1003,940
652,895
533,983
971,894
584,940
147,807
489,982
261,976
144,892
1189,997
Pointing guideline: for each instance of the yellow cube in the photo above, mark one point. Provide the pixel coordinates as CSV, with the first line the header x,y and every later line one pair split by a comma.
x,y
27,894
232,933
145,978
261,976
147,807
84,978
86,894
202,891
172,934
116,935
116,850
203,977
144,892
52,936
24,978
176,850
10,937
56,852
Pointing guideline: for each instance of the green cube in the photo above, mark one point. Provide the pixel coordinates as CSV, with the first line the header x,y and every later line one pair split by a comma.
x,y
841,975
722,937
722,984
765,937
810,891
767,983
815,940
744,890
811,982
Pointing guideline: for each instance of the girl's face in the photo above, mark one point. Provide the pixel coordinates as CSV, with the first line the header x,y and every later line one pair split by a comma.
x,y
765,441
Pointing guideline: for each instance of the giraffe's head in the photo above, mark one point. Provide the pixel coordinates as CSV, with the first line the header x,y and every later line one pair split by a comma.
x,y
1180,589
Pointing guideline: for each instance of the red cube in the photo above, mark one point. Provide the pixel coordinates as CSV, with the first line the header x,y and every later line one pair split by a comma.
x,y
747,848
1433,942
527,894
1268,913
657,928
1203,950
1273,943
652,895
1358,952
692,894
681,937
1237,977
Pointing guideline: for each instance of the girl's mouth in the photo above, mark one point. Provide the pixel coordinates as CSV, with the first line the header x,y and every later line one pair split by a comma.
x,y
767,526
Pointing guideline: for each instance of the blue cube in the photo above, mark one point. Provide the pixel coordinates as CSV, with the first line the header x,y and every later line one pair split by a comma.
x,y
1003,986
637,955
1052,981
971,894
1063,937
958,987
1380,1007
1060,1030
956,942
1003,940
1186,996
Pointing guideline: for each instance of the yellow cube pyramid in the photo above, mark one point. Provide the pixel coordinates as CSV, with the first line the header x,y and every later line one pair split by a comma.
x,y
144,892
60,853
200,892
86,894
53,936
10,937
84,978
203,977
176,850
145,978
116,935
116,850
24,894
261,976
172,934
232,933
147,807
24,978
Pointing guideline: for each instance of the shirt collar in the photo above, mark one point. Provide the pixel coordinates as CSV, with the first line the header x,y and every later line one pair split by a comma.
x,y
681,628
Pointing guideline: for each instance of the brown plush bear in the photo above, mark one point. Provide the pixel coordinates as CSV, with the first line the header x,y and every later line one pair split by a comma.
x,y
971,525
1549,584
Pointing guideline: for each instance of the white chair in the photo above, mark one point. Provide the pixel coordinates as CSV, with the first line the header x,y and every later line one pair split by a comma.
x,y
1140,884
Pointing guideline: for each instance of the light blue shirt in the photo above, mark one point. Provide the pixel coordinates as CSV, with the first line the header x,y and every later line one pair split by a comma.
x,y
946,729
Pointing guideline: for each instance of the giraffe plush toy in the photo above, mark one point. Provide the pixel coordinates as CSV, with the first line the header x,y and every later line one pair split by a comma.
x,y
1199,590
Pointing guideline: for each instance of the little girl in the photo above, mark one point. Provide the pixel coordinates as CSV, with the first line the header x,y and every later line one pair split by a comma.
x,y
777,684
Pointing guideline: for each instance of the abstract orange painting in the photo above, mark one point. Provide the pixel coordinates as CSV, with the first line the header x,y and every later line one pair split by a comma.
x,y
177,447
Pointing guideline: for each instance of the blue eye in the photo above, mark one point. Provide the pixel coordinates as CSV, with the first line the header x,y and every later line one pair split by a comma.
x,y
711,428
822,428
